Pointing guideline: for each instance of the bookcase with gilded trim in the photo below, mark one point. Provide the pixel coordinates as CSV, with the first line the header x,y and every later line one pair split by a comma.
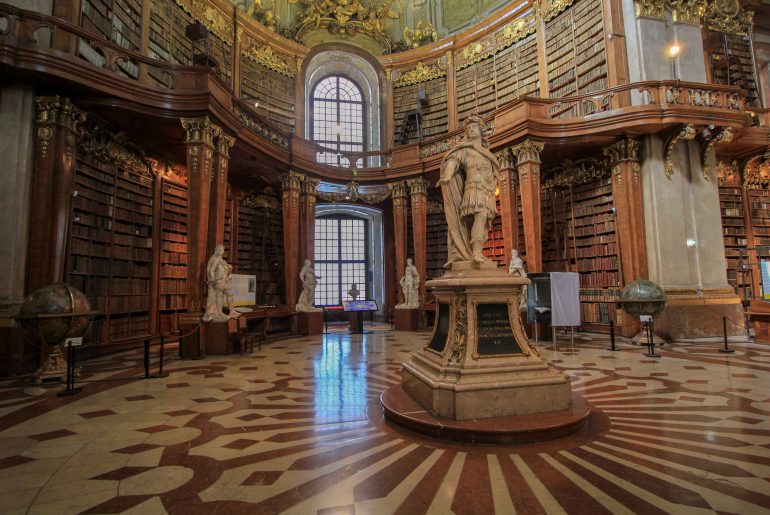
x,y
119,21
172,293
735,232
731,59
435,117
110,255
435,241
272,91
168,41
260,246
576,54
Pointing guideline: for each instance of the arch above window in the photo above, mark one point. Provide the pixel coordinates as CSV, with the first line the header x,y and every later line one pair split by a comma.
x,y
338,118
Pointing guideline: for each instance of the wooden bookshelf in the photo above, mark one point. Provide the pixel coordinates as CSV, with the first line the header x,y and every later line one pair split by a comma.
x,y
226,240
494,248
732,63
436,245
575,53
260,251
274,92
435,117
735,234
167,41
172,294
119,21
502,77
110,256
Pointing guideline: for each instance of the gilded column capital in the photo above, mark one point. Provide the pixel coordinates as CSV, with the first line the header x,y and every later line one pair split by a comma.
x,y
687,11
728,16
626,149
505,158
200,131
223,144
650,9
528,151
292,181
417,186
55,110
310,185
397,189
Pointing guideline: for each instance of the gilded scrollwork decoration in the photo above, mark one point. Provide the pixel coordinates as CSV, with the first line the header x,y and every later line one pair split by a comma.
x,y
650,9
756,172
724,136
687,133
265,56
575,173
420,73
352,194
687,11
424,32
460,343
728,173
728,16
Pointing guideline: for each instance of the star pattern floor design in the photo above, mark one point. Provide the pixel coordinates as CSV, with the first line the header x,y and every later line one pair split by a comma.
x,y
297,428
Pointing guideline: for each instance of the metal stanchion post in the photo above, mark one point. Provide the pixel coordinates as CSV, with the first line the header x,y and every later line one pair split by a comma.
x,y
724,330
69,388
612,336
160,358
147,358
650,342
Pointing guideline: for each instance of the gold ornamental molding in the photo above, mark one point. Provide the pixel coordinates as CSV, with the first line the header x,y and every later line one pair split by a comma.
x,y
756,172
352,194
265,56
211,17
479,50
266,199
417,186
116,149
420,73
310,185
434,207
574,173
700,296
728,16
292,181
460,330
223,144
687,133
724,136
687,11
650,9
56,110
555,8
200,131
397,189
728,173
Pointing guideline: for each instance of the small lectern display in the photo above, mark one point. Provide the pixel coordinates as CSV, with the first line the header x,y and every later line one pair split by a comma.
x,y
359,305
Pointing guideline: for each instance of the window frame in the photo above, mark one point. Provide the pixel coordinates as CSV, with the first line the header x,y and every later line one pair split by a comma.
x,y
335,146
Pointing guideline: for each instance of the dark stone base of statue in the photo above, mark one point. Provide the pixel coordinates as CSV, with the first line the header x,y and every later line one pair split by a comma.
x,y
478,363
405,319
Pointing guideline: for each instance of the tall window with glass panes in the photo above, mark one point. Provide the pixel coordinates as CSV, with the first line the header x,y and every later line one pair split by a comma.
x,y
341,259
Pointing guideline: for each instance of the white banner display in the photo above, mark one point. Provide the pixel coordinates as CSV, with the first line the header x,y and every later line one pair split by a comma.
x,y
244,289
565,299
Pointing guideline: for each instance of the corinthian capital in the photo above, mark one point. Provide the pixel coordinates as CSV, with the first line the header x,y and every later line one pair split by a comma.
x,y
397,189
528,151
200,130
310,185
418,185
292,181
626,149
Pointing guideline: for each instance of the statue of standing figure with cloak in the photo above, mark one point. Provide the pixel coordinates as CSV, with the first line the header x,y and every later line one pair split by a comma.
x,y
468,183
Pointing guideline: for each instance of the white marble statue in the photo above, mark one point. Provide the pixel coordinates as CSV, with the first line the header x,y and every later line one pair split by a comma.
x,y
516,269
468,182
353,291
309,282
410,285
219,291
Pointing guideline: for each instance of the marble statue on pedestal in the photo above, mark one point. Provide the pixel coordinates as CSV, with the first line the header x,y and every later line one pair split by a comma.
x,y
219,292
468,182
353,291
309,282
410,285
516,269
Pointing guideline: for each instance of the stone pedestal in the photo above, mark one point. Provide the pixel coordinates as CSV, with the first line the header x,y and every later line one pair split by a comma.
x,y
310,322
479,362
406,319
219,336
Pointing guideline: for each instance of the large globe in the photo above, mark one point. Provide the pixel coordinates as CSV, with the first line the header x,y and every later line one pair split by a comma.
x,y
53,313
643,297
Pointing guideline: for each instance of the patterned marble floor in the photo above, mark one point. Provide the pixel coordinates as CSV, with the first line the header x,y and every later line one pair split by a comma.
x,y
297,428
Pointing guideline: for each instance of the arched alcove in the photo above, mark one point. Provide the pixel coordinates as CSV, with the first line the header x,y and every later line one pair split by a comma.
x,y
375,242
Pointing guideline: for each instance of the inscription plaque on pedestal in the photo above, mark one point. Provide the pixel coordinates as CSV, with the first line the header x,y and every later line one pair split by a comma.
x,y
494,333
441,332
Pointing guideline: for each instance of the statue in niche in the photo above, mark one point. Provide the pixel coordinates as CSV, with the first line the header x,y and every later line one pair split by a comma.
x,y
353,291
516,269
309,283
219,291
410,285
468,182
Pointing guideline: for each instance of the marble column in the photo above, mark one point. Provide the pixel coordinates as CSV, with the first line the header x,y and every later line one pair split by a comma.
x,y
508,202
419,201
55,150
307,201
528,166
629,211
291,184
216,235
398,195
200,134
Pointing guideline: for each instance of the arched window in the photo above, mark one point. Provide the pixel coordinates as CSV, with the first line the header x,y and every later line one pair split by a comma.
x,y
338,118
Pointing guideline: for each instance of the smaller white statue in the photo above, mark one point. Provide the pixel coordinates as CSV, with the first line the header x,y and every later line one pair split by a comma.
x,y
309,283
219,291
516,269
410,285
353,291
